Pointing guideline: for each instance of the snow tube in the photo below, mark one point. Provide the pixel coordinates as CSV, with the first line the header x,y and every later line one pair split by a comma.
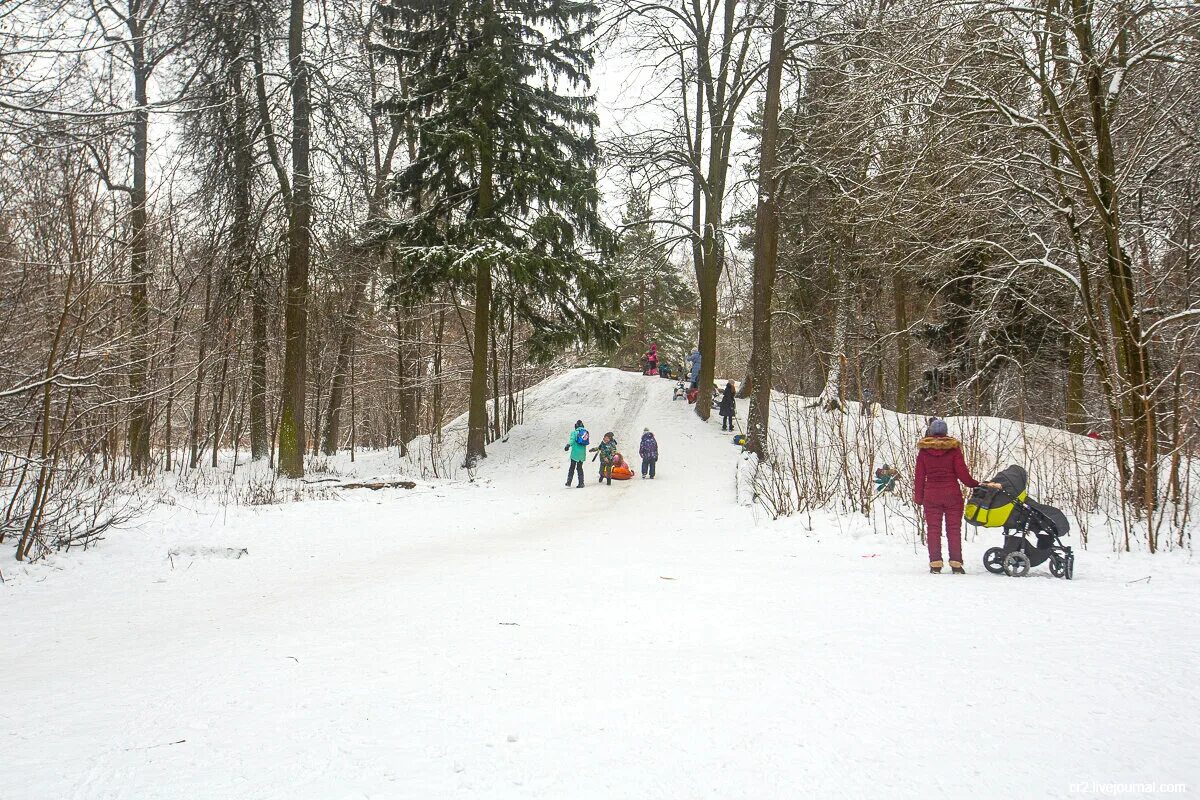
x,y
622,473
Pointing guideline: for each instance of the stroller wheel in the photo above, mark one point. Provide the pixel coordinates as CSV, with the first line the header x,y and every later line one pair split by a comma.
x,y
993,560
1016,565
1058,565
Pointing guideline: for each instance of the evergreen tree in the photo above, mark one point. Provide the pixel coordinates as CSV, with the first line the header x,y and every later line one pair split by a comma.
x,y
657,305
502,185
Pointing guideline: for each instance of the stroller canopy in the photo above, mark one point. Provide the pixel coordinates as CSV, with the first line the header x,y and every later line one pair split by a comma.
x,y
1014,479
991,508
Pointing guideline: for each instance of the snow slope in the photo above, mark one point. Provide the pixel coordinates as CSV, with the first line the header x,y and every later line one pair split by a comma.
x,y
512,638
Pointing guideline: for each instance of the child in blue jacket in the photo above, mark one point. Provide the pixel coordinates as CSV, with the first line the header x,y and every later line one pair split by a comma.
x,y
648,450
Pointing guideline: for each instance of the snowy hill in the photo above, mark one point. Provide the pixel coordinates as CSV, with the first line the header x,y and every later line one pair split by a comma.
x,y
605,400
513,638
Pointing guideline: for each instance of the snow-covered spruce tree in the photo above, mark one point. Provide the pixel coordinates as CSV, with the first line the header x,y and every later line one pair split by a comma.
x,y
502,183
657,305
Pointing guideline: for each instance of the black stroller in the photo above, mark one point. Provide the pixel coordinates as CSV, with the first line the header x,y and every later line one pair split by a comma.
x,y
1010,508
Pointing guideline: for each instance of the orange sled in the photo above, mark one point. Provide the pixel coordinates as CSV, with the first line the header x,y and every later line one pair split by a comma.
x,y
622,473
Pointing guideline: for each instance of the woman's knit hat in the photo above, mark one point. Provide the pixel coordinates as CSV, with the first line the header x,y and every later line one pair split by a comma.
x,y
938,428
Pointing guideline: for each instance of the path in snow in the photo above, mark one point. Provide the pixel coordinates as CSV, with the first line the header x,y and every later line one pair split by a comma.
x,y
518,639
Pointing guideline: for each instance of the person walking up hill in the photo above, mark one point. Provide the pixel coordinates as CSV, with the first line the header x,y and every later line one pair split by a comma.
x,y
652,359
694,362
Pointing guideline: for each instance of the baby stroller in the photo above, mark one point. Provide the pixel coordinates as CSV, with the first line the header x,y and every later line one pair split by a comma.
x,y
1011,509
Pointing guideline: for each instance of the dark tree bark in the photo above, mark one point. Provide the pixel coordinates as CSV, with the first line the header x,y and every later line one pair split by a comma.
x,y
139,250
903,342
766,245
292,440
260,438
407,376
477,420
341,369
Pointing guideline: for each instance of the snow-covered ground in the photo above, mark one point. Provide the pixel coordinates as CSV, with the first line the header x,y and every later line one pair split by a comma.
x,y
513,638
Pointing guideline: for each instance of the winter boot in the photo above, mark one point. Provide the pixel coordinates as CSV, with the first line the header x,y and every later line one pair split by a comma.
x,y
956,568
935,567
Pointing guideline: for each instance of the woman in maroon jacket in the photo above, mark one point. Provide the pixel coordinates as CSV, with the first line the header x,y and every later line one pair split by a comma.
x,y
940,468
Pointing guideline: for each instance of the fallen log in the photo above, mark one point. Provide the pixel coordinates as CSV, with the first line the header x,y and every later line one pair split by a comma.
x,y
377,485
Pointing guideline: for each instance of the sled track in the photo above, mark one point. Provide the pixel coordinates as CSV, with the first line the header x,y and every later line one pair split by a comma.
x,y
626,421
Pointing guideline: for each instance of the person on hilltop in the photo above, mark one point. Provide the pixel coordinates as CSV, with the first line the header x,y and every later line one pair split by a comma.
x,y
940,468
648,450
577,444
605,451
652,359
727,406
694,362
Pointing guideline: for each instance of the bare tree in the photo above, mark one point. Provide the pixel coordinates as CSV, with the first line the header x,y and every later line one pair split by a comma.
x,y
766,242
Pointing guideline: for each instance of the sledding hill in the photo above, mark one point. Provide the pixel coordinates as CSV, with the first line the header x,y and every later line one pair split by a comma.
x,y
605,400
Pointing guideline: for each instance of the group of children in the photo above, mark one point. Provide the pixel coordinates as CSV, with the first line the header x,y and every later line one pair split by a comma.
x,y
612,463
654,364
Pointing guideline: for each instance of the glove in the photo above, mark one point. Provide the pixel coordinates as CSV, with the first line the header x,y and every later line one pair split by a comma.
x,y
565,449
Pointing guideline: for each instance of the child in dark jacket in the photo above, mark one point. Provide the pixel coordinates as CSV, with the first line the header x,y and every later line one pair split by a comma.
x,y
648,450
727,406
606,450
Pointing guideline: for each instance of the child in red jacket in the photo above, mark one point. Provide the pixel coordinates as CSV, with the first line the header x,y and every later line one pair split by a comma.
x,y
940,468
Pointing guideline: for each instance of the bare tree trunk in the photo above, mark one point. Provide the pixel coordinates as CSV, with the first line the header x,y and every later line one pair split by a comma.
x,y
402,380
831,395
41,492
510,417
172,351
435,408
245,262
766,246
903,342
259,436
218,401
1077,419
477,420
201,362
292,440
139,255
346,344
1134,356
495,383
